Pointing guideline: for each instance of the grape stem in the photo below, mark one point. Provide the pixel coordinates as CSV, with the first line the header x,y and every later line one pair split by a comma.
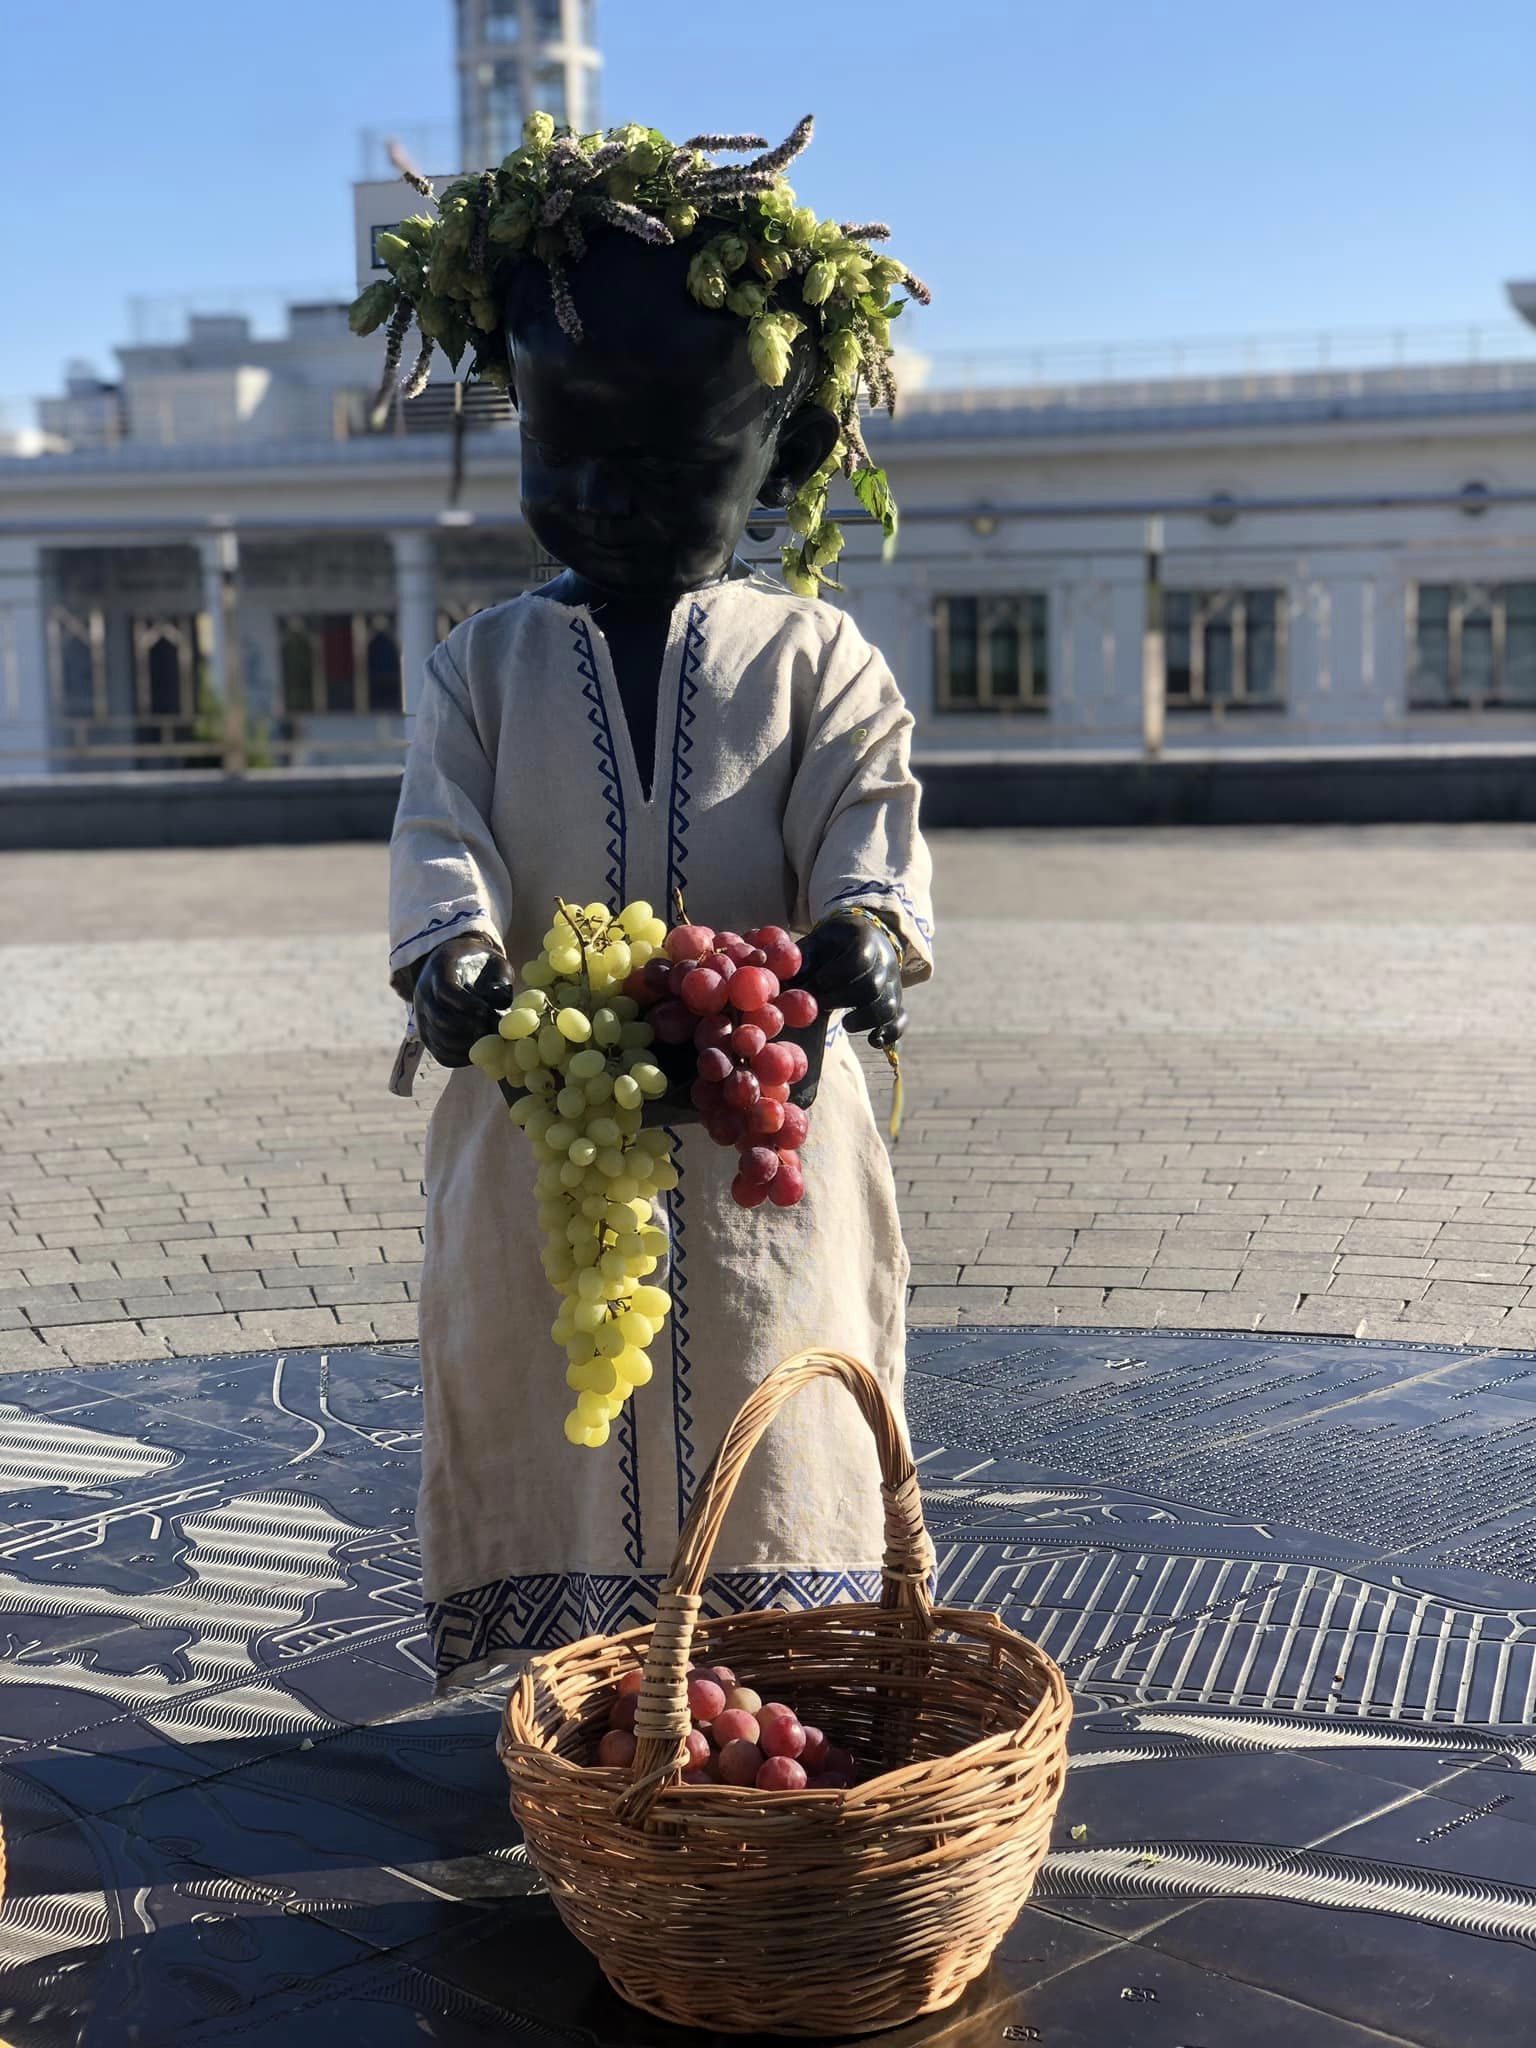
x,y
569,915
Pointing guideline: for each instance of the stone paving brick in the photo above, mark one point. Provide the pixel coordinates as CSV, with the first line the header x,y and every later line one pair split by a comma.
x,y
1481,1236
159,1265
1174,1270
1148,1305
1481,1270
107,1343
235,1298
1320,1317
114,1287
203,1303
1088,1276
1056,1304
295,1325
1375,1287
24,1350
389,1320
958,1297
1383,1265
1474,1294
396,1245
60,1314
242,1258
359,1293
204,1336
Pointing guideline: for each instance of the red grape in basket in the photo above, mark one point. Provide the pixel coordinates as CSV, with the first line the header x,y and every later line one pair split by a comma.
x,y
616,1751
745,1698
780,1774
705,1699
782,1735
699,1752
739,1763
735,1725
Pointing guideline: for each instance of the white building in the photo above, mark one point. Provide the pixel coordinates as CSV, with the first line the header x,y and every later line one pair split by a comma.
x,y
1348,556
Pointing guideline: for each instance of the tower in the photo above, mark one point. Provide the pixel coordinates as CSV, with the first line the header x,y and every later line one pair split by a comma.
x,y
518,56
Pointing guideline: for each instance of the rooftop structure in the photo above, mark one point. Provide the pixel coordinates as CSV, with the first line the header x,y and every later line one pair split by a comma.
x,y
518,56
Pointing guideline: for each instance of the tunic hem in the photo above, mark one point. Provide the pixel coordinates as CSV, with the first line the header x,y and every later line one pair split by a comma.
x,y
502,1623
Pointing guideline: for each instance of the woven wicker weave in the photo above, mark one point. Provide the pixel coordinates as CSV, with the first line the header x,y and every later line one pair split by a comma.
x,y
820,1912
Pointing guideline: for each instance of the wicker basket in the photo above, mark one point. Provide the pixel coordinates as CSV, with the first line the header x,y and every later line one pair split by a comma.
x,y
820,1912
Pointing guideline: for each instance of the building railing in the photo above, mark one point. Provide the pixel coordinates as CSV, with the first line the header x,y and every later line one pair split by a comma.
x,y
1219,369
1074,377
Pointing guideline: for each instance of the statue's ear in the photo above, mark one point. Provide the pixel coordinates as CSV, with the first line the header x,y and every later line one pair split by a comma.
x,y
805,441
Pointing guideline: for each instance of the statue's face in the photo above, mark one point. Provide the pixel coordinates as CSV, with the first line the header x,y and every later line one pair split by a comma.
x,y
645,445
639,476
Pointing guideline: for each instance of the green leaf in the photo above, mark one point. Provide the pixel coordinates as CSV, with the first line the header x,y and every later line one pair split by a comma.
x,y
372,308
872,488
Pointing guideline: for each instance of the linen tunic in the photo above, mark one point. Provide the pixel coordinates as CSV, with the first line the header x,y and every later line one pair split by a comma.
x,y
782,791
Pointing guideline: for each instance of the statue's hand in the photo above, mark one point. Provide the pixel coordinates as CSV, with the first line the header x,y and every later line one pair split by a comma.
x,y
463,987
852,964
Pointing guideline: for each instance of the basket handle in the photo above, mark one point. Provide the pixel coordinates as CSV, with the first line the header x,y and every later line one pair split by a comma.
x,y
662,1719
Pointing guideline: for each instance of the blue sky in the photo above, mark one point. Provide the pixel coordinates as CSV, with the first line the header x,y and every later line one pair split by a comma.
x,y
1095,170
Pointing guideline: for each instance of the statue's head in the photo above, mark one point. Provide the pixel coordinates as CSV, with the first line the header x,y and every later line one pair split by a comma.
x,y
683,340
646,444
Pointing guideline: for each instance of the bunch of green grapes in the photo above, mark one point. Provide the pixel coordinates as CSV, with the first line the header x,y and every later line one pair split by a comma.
x,y
576,1042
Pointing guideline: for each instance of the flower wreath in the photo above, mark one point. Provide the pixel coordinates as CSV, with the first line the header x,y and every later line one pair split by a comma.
x,y
446,274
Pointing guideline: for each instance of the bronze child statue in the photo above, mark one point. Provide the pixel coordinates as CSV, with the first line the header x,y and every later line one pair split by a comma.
x,y
683,343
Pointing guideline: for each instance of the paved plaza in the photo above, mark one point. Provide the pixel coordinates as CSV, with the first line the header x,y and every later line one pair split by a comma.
x,y
1272,1081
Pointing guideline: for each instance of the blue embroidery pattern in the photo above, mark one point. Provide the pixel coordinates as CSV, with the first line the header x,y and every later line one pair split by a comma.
x,y
682,1364
617,877
542,1610
677,858
897,894
608,760
682,746
437,924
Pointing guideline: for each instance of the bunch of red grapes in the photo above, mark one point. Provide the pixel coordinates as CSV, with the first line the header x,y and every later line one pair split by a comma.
x,y
726,994
735,1738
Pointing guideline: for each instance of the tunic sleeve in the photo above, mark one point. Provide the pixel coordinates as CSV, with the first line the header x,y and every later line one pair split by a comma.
x,y
446,873
851,822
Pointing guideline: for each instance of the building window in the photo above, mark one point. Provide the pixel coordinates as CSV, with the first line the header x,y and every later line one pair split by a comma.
x,y
990,653
504,21
342,662
1474,644
77,661
1224,648
168,662
549,91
